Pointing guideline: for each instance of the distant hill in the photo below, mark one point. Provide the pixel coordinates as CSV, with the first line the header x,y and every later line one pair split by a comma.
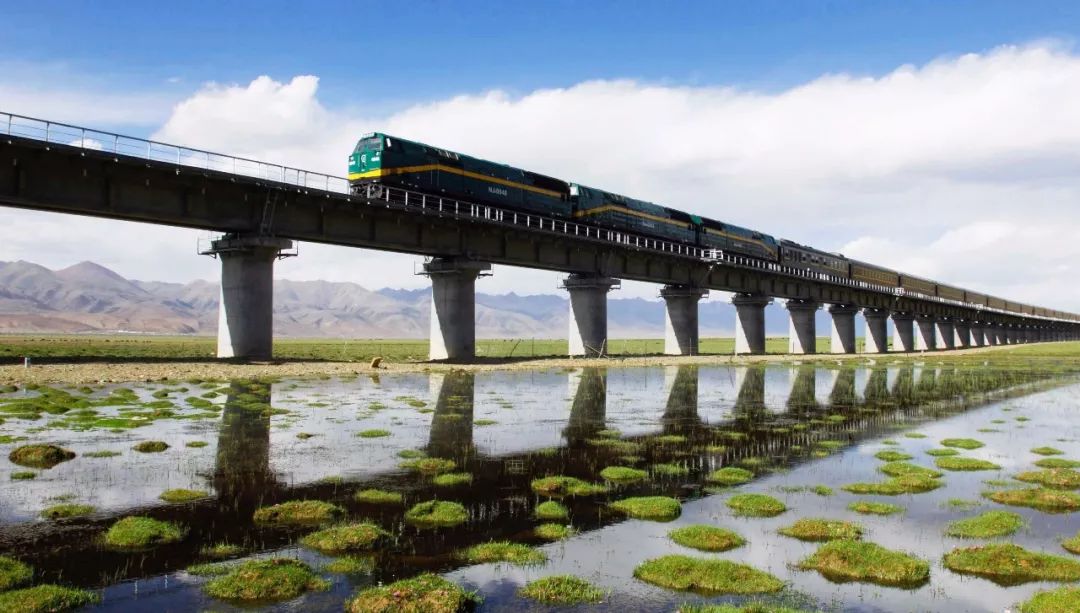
x,y
89,298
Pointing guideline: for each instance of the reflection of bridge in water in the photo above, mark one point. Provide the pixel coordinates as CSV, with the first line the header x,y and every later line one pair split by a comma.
x,y
857,405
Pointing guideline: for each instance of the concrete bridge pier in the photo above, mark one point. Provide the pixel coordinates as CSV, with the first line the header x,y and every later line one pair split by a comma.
x,y
877,331
803,335
903,332
961,334
246,307
681,319
588,313
750,323
453,307
945,333
997,335
926,339
978,337
842,338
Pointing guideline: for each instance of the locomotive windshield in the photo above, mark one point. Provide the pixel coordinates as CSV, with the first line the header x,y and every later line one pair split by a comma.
x,y
372,142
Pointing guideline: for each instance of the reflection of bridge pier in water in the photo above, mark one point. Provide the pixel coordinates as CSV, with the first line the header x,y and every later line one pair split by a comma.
x,y
242,475
802,399
876,393
451,434
750,402
681,411
842,397
588,411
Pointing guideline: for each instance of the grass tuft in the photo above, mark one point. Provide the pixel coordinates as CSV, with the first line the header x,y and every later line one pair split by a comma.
x,y
351,565
706,538
23,475
1043,499
553,532
817,529
755,505
907,484
552,511
659,508
1008,564
1047,451
1057,463
39,456
138,532
345,538
891,455
151,446
1072,545
373,433
65,510
452,479
266,580
1061,600
987,525
503,551
730,475
374,496
559,486
562,590
14,573
942,452
426,593
182,495
962,443
867,507
965,464
104,453
429,466
623,474
196,444
46,599
298,512
670,470
436,514
847,560
706,575
221,551
900,469
1060,478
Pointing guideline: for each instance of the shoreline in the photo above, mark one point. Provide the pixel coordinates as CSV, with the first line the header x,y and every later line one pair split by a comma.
x,y
125,371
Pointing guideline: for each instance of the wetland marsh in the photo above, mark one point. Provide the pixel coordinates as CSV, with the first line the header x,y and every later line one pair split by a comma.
x,y
813,486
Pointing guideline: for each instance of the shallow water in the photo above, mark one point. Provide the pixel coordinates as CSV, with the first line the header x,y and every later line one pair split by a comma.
x,y
507,428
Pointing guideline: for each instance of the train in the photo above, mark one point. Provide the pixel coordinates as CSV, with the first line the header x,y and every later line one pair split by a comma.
x,y
379,158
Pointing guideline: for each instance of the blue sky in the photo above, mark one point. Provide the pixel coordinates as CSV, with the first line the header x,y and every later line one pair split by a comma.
x,y
937,138
382,53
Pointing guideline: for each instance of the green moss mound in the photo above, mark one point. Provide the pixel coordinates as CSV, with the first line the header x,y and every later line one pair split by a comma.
x,y
1060,478
753,607
429,466
661,508
373,433
1057,463
553,532
345,538
65,510
1061,600
40,456
503,551
270,580
670,470
452,479
987,525
351,565
890,455
196,444
559,486
140,532
552,511
104,453
14,573
623,474
730,475
375,496
220,551
1072,545
298,512
562,590
907,484
708,576
1047,451
900,469
962,443
867,507
45,599
965,464
844,561
1041,498
817,529
706,538
942,452
755,505
182,495
436,514
1008,564
23,475
151,446
425,593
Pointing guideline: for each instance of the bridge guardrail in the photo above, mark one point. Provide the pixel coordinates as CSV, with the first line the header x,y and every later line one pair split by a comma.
x,y
129,146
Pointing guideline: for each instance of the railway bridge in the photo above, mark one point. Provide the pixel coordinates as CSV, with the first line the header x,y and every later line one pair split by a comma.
x,y
261,209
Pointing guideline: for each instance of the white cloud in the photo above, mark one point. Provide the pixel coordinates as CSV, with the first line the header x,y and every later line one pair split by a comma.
x,y
966,169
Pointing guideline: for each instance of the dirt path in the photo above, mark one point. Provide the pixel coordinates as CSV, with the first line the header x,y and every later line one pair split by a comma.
x,y
105,372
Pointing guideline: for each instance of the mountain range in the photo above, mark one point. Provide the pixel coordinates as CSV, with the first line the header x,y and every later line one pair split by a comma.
x,y
89,298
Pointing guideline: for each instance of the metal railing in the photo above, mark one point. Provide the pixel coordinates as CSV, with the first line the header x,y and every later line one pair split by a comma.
x,y
392,197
